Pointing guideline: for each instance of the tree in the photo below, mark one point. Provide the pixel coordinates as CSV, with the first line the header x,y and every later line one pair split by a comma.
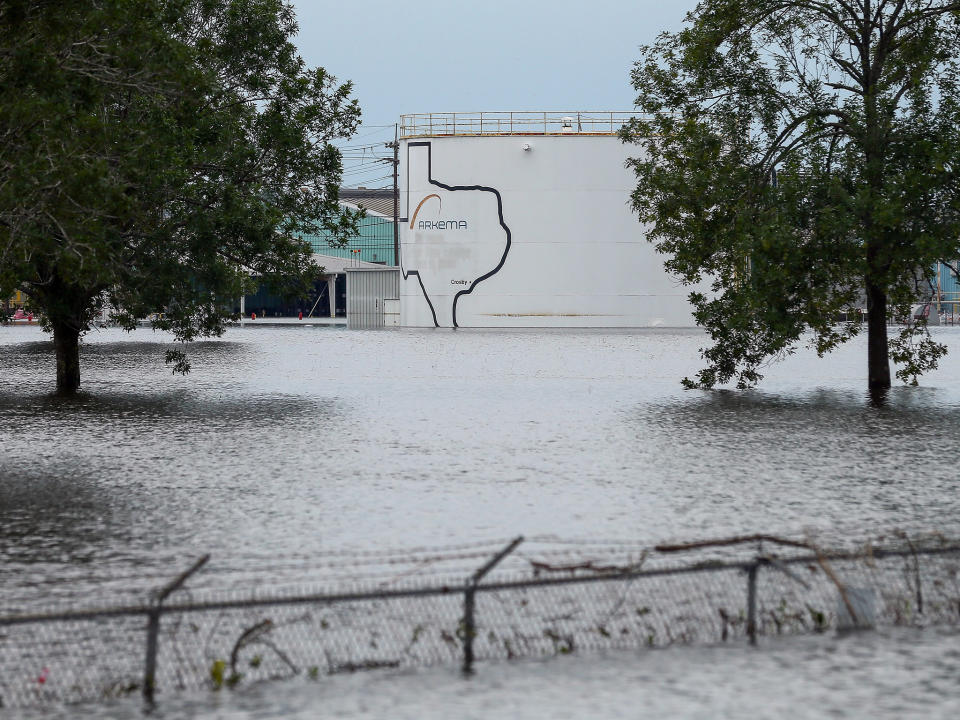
x,y
153,154
802,156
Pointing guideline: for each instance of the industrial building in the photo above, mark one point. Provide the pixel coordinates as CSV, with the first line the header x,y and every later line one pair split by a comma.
x,y
374,241
373,247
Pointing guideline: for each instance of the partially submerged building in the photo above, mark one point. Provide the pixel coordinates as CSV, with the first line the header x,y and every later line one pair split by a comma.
x,y
373,247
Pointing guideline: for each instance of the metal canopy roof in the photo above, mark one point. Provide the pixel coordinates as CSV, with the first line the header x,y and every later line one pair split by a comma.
x,y
377,201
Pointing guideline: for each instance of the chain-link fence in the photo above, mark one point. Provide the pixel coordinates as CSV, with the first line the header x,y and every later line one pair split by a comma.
x,y
423,607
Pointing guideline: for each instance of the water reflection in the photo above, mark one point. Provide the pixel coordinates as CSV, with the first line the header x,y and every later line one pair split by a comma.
x,y
114,477
878,397
905,411
92,346
180,405
48,515
821,461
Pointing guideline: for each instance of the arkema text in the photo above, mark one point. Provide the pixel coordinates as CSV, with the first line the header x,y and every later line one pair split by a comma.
x,y
441,225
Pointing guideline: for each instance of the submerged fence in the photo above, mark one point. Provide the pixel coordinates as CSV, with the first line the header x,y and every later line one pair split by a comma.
x,y
524,599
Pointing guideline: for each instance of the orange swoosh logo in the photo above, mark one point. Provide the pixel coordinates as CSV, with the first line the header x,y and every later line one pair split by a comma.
x,y
414,218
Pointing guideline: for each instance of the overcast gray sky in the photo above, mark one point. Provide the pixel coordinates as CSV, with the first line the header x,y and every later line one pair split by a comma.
x,y
415,56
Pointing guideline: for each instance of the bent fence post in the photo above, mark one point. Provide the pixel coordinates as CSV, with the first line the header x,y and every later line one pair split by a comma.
x,y
469,602
153,626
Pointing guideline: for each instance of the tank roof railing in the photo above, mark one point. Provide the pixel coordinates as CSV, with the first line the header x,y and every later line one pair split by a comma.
x,y
576,122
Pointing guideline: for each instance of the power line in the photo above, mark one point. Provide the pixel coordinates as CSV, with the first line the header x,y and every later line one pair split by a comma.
x,y
360,147
373,132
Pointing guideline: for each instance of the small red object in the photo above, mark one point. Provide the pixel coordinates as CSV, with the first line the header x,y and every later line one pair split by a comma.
x,y
300,315
253,316
42,678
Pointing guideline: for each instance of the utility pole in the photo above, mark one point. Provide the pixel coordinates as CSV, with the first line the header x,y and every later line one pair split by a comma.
x,y
396,192
396,197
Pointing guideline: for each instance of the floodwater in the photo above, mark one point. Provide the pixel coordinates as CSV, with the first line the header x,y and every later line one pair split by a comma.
x,y
289,441
892,674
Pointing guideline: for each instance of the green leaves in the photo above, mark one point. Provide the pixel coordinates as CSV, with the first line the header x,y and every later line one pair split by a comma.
x,y
156,152
793,154
916,351
218,673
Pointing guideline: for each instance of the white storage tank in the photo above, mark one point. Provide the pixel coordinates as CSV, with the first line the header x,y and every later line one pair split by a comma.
x,y
524,220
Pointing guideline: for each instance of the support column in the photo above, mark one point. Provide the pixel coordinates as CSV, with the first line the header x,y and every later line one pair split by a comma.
x,y
331,294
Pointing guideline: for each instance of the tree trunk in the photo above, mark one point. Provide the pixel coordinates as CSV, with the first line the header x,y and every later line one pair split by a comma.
x,y
66,340
878,360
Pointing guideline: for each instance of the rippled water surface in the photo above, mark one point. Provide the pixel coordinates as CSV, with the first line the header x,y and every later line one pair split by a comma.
x,y
295,440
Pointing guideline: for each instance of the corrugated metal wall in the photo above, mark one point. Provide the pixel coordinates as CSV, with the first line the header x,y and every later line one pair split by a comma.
x,y
374,240
366,291
949,284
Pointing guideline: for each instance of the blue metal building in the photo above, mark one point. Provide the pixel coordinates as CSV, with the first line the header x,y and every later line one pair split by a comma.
x,y
374,243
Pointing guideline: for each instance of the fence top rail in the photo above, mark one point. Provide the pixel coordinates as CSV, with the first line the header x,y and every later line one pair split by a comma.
x,y
877,553
514,122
